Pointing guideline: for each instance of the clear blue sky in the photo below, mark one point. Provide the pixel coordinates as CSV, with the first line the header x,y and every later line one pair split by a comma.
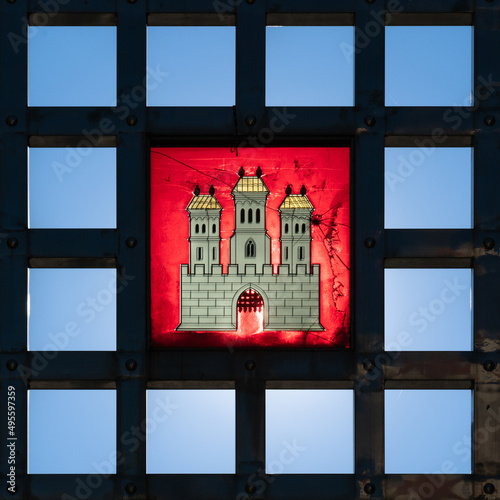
x,y
425,188
428,309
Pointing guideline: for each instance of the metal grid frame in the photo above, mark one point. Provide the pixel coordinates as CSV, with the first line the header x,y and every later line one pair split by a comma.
x,y
369,126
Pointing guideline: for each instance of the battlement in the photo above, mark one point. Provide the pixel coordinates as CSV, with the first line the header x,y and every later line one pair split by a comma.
x,y
209,301
250,270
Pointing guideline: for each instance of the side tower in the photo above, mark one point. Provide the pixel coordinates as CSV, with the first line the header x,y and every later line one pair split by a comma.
x,y
250,243
295,214
204,230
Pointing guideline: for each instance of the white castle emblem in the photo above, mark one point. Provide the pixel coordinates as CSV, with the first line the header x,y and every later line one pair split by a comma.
x,y
290,299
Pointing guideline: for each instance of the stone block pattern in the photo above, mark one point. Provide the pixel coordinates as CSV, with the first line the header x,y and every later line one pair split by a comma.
x,y
291,300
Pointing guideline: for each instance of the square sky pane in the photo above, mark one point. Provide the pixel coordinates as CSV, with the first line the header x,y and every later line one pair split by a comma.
x,y
309,431
72,66
191,66
309,66
428,431
72,310
428,187
191,431
428,310
72,188
71,431
428,66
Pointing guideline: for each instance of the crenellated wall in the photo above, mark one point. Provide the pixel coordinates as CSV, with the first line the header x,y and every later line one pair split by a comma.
x,y
291,301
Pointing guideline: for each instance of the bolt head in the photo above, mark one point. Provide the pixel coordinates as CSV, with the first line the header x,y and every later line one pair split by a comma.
x,y
12,242
131,242
11,120
131,488
370,242
370,121
131,364
489,243
489,120
368,365
250,365
132,120
489,488
250,488
11,364
369,488
250,120
489,365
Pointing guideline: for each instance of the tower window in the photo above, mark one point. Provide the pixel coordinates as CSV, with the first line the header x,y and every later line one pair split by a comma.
x,y
303,228
286,228
250,248
214,253
250,216
197,228
204,228
242,215
296,228
257,216
199,253
301,253
214,228
286,253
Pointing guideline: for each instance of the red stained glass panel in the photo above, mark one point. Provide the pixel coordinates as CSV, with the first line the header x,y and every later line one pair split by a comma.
x,y
250,250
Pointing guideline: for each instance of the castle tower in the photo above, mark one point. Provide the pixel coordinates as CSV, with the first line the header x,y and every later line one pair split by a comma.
x,y
295,214
204,230
250,243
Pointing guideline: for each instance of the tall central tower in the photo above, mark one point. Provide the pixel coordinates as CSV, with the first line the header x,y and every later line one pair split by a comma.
x,y
250,243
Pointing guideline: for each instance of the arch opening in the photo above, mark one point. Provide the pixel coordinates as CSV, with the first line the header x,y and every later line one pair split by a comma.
x,y
250,312
250,248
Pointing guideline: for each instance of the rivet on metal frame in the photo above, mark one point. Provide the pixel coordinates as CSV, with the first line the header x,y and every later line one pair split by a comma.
x,y
370,121
250,365
489,365
11,120
489,120
250,488
250,120
132,120
131,242
131,488
131,364
11,364
489,488
489,243
12,242
369,488
369,242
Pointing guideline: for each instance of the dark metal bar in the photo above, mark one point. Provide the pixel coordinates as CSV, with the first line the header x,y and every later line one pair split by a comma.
x,y
368,127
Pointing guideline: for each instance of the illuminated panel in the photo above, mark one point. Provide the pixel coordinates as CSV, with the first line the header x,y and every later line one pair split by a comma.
x,y
250,250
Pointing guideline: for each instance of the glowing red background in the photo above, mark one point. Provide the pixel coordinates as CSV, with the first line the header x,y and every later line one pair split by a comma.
x,y
324,172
